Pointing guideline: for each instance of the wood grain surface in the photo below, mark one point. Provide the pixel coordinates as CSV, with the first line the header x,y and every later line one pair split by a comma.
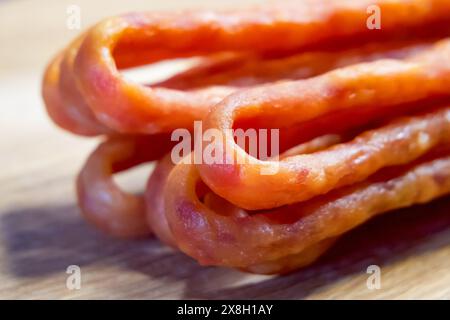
x,y
41,232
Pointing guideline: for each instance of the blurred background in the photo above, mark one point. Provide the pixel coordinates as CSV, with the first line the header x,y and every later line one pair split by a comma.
x,y
41,233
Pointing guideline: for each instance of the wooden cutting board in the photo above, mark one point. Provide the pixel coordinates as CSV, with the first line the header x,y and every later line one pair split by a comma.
x,y
42,234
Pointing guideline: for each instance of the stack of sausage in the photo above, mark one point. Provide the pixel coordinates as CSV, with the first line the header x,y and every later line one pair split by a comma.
x,y
363,117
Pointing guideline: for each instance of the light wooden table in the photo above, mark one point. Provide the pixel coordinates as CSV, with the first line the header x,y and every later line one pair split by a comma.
x,y
41,232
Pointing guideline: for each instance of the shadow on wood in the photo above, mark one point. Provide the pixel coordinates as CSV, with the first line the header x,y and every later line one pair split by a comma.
x,y
42,241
